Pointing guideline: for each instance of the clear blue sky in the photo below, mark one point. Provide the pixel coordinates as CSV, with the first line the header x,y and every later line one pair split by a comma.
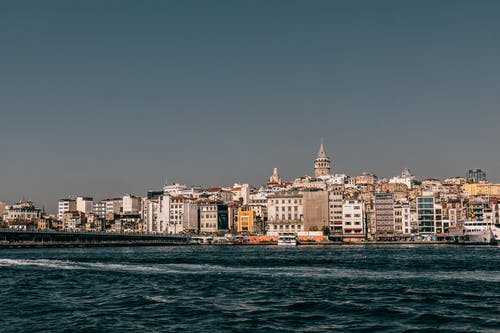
x,y
106,97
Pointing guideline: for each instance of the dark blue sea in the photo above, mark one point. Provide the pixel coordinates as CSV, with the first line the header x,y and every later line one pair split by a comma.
x,y
250,289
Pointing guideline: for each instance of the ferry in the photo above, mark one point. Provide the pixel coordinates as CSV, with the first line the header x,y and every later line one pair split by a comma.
x,y
477,232
287,239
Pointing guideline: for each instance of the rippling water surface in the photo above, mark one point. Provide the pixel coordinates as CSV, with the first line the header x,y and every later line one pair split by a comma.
x,y
250,289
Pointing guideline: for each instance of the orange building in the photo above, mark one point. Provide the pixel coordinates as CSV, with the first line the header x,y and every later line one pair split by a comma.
x,y
245,220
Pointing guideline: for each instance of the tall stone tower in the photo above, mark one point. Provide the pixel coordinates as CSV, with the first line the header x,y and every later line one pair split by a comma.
x,y
321,163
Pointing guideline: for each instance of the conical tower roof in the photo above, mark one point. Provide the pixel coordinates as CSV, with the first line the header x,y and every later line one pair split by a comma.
x,y
321,152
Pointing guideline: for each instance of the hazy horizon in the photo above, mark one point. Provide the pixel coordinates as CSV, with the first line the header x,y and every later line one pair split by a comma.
x,y
105,98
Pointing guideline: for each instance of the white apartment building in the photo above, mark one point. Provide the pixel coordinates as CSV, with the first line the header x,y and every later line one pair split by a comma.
x,y
84,204
353,222
114,206
163,213
131,204
150,209
285,212
64,206
402,219
183,215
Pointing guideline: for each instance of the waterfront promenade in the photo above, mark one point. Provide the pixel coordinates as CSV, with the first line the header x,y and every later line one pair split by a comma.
x,y
19,239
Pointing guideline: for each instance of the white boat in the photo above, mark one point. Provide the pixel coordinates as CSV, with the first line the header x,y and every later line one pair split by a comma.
x,y
287,239
478,232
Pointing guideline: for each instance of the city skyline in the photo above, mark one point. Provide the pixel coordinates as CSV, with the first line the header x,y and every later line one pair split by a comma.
x,y
327,170
102,99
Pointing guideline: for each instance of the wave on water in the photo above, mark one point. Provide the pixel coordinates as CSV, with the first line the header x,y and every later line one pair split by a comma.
x,y
47,263
282,271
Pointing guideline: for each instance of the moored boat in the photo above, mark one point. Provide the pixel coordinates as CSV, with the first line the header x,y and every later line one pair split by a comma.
x,y
287,239
477,232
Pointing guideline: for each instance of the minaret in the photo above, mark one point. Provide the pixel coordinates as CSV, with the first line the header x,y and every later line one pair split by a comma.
x,y
321,163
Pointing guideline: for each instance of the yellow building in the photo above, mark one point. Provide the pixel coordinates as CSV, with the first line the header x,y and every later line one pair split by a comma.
x,y
482,189
245,220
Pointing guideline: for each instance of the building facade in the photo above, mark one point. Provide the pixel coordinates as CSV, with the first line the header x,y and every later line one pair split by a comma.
x,y
213,216
315,210
353,222
285,212
384,215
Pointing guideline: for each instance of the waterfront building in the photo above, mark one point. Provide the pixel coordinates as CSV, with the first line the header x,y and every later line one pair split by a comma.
x,y
149,215
23,212
131,204
335,213
43,224
370,219
73,221
258,204
99,209
384,215
94,222
170,214
190,219
321,163
213,216
65,205
285,212
245,220
183,215
353,222
406,219
452,212
114,206
402,220
164,213
315,210
84,204
476,175
475,209
429,215
232,214
128,222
